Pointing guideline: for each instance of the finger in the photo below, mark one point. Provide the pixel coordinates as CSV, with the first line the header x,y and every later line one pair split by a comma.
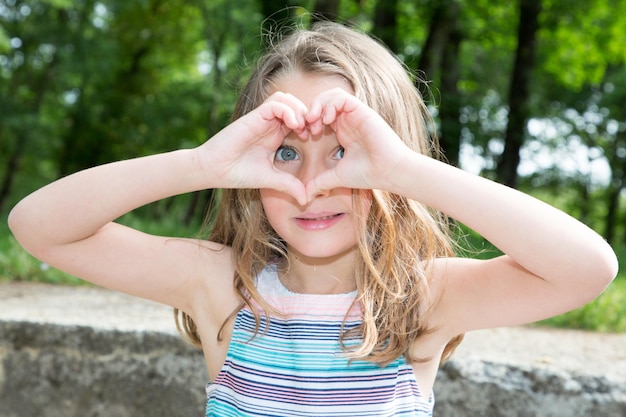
x,y
330,114
274,110
315,111
325,181
327,107
324,110
303,133
292,101
316,127
314,114
299,108
291,185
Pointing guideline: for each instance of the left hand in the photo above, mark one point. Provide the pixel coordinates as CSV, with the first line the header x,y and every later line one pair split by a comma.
x,y
371,148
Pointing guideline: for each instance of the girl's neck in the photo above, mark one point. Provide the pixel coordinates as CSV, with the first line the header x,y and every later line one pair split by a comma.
x,y
333,275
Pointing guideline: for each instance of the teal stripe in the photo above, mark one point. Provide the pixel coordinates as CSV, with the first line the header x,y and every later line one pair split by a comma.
x,y
299,369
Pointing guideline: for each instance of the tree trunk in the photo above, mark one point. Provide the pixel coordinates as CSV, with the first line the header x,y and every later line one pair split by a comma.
x,y
439,62
276,13
11,170
385,23
519,91
430,58
449,110
326,10
610,221
614,190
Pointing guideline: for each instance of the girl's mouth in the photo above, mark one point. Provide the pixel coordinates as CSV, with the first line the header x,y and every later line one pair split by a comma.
x,y
317,222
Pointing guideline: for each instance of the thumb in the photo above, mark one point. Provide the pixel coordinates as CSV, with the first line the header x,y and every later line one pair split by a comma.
x,y
289,184
321,183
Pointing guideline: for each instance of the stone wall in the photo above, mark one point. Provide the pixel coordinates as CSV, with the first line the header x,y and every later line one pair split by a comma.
x,y
55,370
468,388
72,371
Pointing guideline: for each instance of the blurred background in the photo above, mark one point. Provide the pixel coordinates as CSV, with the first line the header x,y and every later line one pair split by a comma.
x,y
531,93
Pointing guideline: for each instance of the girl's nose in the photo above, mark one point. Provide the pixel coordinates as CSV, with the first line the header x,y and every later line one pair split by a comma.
x,y
321,193
309,170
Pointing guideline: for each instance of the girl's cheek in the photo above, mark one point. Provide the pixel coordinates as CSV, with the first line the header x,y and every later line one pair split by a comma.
x,y
288,167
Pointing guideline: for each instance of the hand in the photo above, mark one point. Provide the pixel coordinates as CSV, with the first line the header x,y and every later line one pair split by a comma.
x,y
242,154
372,149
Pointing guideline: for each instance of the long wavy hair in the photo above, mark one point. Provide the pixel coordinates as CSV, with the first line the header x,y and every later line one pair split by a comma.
x,y
397,238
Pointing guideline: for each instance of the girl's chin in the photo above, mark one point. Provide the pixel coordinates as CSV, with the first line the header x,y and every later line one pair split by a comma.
x,y
320,255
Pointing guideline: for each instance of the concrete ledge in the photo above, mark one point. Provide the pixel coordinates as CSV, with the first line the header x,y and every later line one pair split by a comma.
x,y
92,353
62,371
474,388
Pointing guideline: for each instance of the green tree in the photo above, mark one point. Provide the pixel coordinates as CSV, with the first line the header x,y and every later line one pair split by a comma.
x,y
440,58
30,120
82,83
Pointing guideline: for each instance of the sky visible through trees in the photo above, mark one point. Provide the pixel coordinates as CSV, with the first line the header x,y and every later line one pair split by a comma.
x,y
529,92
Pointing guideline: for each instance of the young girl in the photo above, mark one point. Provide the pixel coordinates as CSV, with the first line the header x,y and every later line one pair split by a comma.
x,y
328,285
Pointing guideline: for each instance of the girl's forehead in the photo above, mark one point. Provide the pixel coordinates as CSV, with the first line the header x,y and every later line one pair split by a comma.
x,y
307,86
326,141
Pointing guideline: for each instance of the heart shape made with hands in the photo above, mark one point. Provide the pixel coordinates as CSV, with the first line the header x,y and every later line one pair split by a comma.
x,y
356,127
323,181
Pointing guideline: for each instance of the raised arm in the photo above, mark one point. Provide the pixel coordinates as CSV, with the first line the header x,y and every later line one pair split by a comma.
x,y
70,223
552,262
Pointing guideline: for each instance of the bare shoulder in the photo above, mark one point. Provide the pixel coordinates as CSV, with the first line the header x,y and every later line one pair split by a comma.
x,y
213,275
208,287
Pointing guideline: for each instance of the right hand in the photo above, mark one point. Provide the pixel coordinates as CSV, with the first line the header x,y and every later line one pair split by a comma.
x,y
242,154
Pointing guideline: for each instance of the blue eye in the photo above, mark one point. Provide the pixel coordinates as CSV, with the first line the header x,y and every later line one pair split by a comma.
x,y
286,153
340,152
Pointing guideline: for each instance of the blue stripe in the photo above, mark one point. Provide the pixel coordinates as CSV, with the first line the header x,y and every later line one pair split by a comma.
x,y
297,368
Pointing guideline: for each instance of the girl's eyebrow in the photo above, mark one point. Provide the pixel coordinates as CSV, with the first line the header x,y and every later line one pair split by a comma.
x,y
292,137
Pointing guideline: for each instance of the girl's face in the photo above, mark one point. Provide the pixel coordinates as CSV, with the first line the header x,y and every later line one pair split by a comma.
x,y
324,228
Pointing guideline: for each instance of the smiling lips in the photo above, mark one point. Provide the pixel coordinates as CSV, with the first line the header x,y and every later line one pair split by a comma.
x,y
318,221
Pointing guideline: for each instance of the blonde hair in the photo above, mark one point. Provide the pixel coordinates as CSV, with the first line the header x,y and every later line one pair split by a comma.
x,y
398,237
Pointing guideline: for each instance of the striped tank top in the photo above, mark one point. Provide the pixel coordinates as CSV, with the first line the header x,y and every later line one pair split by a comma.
x,y
297,368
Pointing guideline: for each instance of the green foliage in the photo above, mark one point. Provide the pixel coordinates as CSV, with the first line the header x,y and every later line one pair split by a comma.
x,y
582,39
4,41
86,82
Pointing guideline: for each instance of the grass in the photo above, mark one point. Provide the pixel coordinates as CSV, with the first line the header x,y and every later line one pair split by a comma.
x,y
606,314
